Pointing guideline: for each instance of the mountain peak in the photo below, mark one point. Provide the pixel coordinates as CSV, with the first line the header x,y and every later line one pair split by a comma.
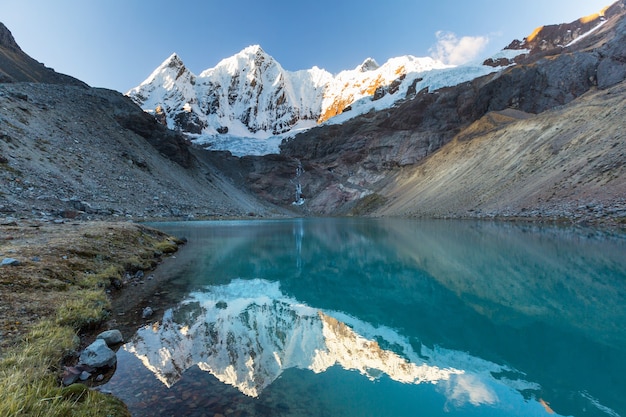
x,y
369,64
173,61
249,57
253,50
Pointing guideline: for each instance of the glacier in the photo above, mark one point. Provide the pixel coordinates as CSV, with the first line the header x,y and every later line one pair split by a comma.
x,y
248,104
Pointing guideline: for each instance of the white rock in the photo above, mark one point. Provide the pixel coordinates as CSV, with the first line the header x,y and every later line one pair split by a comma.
x,y
10,261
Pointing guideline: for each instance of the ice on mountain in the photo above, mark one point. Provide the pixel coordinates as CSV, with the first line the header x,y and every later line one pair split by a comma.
x,y
248,103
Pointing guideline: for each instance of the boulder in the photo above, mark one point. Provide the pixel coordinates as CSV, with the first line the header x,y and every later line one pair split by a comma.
x,y
111,337
98,355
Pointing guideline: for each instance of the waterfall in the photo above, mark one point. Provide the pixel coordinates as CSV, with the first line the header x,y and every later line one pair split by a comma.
x,y
299,171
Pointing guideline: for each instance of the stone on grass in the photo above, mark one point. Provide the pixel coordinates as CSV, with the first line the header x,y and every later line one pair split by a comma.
x,y
111,337
10,261
70,375
98,355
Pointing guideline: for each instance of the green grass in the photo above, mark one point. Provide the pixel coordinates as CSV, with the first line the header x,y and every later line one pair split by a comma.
x,y
30,370
87,309
29,383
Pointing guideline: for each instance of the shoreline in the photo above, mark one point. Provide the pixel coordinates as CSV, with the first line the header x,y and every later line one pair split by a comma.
x,y
57,293
127,304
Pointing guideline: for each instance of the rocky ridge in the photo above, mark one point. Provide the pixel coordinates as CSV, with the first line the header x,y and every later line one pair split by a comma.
x,y
17,66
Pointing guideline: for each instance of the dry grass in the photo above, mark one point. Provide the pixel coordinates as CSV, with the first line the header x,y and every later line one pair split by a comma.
x,y
56,292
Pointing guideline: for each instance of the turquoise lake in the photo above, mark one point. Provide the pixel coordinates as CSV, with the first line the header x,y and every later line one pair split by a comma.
x,y
383,317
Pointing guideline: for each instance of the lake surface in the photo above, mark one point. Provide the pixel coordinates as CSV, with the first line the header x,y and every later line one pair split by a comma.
x,y
384,317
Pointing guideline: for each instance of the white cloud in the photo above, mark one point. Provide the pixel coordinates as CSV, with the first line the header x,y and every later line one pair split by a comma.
x,y
453,50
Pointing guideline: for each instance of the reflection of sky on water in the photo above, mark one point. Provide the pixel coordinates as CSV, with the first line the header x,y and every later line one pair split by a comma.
x,y
248,332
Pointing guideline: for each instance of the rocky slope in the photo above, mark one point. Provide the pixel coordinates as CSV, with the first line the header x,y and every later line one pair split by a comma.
x,y
68,150
75,151
16,66
568,162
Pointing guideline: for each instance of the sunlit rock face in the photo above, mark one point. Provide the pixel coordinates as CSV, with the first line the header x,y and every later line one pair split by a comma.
x,y
247,333
548,37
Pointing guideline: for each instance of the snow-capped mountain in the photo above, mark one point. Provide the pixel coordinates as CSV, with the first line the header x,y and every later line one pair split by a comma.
x,y
250,95
248,103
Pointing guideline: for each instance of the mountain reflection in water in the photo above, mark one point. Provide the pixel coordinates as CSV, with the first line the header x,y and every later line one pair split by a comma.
x,y
440,317
247,333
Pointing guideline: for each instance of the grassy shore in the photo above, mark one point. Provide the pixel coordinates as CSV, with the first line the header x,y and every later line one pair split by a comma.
x,y
54,300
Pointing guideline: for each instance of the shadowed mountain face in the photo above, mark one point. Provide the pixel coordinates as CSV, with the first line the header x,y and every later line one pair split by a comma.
x,y
16,66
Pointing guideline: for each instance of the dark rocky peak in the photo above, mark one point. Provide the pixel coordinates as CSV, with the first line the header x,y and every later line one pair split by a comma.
x,y
369,64
6,39
585,33
550,37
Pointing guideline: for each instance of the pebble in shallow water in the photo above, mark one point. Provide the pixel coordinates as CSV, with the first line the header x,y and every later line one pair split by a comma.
x,y
147,312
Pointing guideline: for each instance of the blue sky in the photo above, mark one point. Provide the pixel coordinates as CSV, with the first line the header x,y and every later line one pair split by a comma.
x,y
117,43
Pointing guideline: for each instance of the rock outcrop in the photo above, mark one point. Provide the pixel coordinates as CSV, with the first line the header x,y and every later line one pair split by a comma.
x,y
553,37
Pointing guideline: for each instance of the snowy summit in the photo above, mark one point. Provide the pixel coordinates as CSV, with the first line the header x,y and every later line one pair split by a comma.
x,y
247,103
